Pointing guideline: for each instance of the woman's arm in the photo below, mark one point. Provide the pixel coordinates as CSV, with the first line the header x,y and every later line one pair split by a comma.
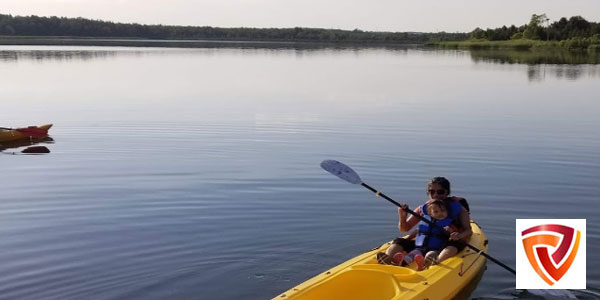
x,y
406,224
402,218
465,224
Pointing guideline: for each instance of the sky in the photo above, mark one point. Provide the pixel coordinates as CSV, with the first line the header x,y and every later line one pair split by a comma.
x,y
368,15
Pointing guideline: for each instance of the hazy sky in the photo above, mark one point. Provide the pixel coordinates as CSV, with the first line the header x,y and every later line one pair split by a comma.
x,y
372,15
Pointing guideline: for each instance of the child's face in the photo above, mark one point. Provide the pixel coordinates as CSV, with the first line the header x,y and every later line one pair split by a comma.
x,y
438,213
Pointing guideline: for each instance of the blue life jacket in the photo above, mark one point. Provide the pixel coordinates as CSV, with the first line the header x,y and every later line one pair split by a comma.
x,y
434,237
453,207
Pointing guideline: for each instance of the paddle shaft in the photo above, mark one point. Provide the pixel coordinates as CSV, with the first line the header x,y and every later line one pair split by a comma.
x,y
378,193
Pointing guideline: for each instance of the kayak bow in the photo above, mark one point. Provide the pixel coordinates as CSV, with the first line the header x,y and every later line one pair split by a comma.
x,y
9,134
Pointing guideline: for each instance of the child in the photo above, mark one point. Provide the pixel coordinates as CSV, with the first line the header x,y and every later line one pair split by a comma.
x,y
429,239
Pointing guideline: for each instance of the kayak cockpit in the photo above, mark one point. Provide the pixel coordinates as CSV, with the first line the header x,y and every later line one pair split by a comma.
x,y
366,281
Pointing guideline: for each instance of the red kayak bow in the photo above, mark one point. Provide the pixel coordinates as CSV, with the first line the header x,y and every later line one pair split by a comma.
x,y
32,131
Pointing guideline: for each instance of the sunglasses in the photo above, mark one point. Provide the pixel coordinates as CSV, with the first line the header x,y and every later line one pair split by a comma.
x,y
439,192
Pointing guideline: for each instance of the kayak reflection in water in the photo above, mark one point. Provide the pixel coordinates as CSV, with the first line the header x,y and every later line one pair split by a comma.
x,y
438,189
30,145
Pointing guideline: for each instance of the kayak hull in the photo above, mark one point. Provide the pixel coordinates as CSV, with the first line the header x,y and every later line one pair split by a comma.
x,y
14,135
363,278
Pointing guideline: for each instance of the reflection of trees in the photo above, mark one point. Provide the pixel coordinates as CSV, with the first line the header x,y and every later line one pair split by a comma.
x,y
570,72
535,57
560,64
61,53
195,43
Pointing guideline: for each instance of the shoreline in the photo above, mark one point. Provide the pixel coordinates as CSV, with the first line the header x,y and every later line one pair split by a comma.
x,y
187,43
521,44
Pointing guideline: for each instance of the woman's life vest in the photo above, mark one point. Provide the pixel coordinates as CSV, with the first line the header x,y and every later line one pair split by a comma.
x,y
454,209
460,200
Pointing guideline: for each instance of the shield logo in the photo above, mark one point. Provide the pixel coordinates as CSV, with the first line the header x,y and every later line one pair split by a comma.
x,y
539,240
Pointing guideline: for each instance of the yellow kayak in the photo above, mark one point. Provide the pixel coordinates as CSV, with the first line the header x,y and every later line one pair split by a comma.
x,y
7,135
363,278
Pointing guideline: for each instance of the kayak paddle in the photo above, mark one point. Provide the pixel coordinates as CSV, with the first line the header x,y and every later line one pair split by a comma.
x,y
346,173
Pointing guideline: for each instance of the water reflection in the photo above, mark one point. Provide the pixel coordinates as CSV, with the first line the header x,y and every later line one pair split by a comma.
x,y
32,146
57,55
67,49
590,293
536,57
569,72
559,64
195,43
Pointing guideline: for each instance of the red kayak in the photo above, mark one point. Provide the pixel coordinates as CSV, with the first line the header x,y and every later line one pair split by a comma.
x,y
13,134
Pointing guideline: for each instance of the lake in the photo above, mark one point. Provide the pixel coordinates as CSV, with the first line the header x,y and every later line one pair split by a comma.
x,y
194,173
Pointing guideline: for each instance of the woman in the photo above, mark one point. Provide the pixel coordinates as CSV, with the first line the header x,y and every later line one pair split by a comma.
x,y
438,188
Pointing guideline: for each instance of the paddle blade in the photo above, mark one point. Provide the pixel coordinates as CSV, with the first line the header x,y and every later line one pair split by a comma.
x,y
341,170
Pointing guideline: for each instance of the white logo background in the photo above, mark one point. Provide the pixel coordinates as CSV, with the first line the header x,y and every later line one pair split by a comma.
x,y
527,278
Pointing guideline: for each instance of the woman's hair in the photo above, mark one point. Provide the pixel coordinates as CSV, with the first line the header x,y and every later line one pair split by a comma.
x,y
438,203
442,181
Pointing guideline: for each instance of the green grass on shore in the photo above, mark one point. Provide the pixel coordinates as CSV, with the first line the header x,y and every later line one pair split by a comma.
x,y
522,44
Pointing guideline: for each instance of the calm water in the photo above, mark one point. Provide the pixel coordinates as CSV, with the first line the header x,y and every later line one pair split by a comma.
x,y
194,173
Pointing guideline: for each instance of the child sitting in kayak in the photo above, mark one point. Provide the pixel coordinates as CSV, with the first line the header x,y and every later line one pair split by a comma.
x,y
428,238
438,188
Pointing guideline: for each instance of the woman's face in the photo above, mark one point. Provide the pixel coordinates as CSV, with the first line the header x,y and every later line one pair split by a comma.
x,y
437,192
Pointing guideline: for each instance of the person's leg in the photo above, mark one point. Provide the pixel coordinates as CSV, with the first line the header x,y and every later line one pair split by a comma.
x,y
420,261
448,252
431,258
417,256
408,258
393,249
398,245
383,258
386,258
398,258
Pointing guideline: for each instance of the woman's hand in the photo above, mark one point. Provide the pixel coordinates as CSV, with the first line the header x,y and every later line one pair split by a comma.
x,y
454,236
402,210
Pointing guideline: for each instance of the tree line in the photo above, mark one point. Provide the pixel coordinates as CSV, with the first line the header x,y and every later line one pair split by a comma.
x,y
81,27
539,28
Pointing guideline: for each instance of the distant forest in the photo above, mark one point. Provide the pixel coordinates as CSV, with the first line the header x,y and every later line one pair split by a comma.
x,y
539,28
80,27
575,30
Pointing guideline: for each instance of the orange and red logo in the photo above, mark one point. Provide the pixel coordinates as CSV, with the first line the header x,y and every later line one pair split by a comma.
x,y
551,249
535,243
